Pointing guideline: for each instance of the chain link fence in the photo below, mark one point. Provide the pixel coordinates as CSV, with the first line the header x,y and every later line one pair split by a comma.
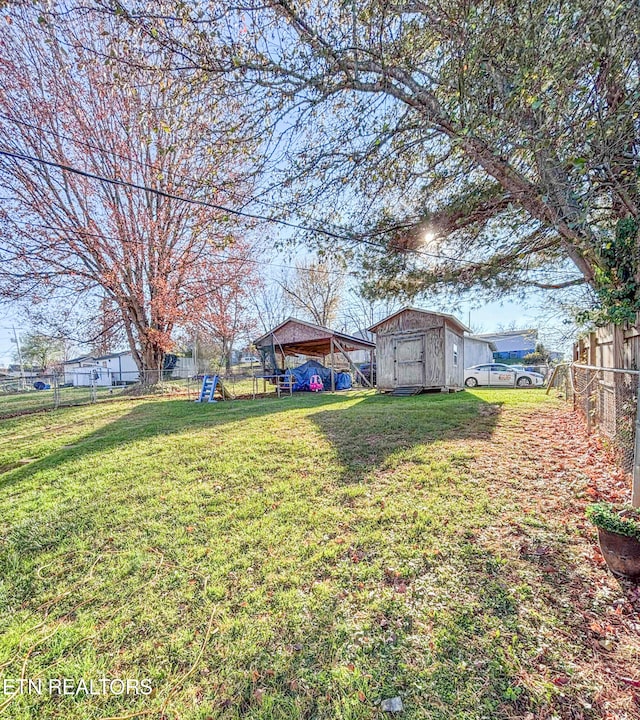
x,y
20,396
48,392
607,400
94,384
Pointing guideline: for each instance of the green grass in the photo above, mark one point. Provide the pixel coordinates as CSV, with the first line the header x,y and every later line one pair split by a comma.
x,y
301,558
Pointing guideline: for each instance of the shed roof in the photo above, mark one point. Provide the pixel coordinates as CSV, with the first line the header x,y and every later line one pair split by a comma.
x,y
305,338
447,316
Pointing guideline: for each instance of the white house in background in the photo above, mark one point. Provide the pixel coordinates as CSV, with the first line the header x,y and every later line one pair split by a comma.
x,y
69,367
93,375
122,366
361,356
115,369
477,350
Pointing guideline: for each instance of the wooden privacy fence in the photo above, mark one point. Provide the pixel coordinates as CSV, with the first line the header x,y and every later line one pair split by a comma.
x,y
605,382
611,346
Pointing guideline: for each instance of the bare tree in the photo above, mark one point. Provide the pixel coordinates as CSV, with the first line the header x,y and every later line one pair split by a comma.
x,y
315,289
271,303
224,314
359,311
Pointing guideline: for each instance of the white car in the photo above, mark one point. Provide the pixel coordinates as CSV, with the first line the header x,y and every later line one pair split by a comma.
x,y
497,374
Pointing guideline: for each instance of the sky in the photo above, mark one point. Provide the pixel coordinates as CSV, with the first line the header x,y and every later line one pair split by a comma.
x,y
488,317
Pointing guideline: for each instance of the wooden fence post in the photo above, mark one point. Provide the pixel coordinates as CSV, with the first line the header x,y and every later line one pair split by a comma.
x,y
618,378
593,349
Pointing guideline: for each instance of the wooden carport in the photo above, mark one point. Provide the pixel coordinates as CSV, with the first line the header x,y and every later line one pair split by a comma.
x,y
298,337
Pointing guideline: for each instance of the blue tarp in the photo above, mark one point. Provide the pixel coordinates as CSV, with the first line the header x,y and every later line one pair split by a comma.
x,y
303,373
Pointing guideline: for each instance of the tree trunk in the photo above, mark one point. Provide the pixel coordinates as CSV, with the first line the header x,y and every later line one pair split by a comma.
x,y
152,362
226,354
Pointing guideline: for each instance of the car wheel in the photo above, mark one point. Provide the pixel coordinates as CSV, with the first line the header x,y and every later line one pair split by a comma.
x,y
471,382
523,382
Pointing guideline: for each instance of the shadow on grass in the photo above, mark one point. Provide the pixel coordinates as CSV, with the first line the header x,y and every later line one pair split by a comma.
x,y
363,433
456,663
366,434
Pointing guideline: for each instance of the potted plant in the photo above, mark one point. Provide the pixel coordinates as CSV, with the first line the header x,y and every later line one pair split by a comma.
x,y
619,536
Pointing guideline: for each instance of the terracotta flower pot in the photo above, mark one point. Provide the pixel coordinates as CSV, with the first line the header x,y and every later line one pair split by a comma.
x,y
622,554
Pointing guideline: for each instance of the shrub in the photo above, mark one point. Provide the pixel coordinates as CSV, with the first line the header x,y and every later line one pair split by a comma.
x,y
622,521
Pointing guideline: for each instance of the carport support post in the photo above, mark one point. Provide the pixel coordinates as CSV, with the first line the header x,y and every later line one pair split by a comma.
x,y
373,382
333,374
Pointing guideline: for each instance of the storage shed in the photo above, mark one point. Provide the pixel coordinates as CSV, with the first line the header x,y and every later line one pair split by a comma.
x,y
419,350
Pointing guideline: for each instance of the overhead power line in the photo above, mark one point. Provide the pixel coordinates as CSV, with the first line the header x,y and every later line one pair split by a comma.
x,y
231,211
136,161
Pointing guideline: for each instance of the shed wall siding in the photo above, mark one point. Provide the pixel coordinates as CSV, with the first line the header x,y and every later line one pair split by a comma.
x,y
454,373
416,348
384,362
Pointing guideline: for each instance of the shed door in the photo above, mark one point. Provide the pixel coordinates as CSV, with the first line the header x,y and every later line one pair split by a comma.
x,y
408,360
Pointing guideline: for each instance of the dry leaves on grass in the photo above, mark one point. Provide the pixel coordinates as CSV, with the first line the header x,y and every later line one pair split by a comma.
x,y
549,468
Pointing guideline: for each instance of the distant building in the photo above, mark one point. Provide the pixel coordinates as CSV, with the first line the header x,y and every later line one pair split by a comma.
x,y
27,371
121,365
512,345
477,350
69,367
115,369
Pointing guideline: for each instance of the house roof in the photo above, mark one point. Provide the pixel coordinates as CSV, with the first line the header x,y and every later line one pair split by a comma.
x,y
95,358
80,358
113,355
447,316
512,339
305,338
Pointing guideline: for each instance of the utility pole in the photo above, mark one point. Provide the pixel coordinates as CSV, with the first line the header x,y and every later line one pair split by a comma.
x,y
16,340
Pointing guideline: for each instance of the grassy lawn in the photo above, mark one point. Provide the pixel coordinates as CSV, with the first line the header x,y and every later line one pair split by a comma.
x,y
311,556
